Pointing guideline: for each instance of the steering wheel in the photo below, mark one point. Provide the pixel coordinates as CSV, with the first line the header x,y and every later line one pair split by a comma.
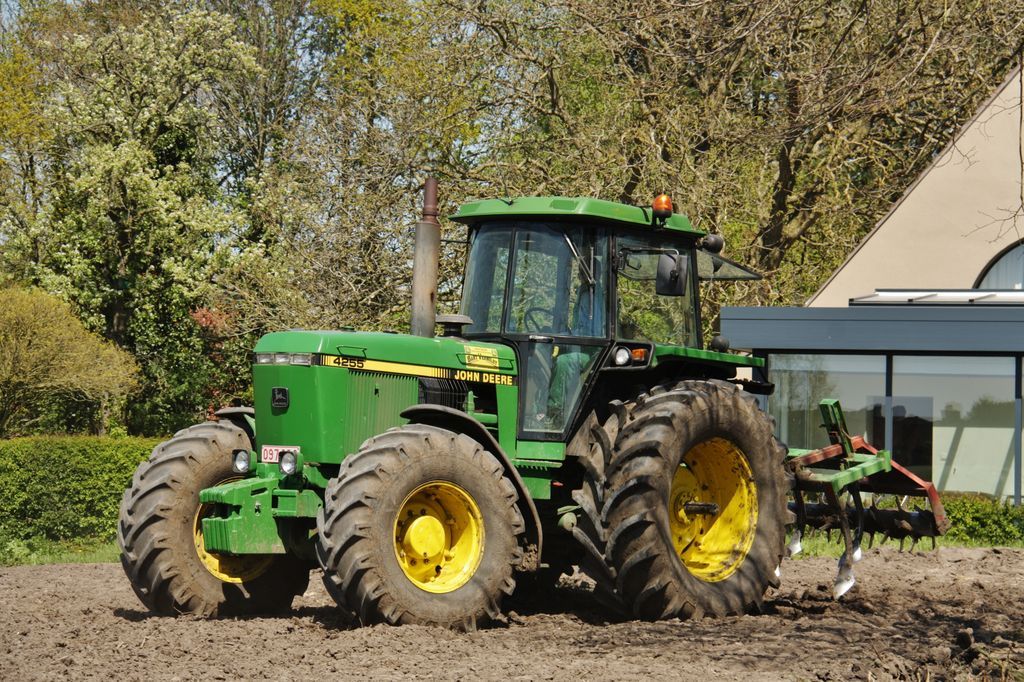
x,y
531,322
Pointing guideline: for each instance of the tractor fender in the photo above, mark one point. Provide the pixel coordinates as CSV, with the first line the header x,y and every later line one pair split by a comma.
x,y
458,421
243,417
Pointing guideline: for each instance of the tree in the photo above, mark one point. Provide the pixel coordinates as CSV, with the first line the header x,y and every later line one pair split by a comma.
x,y
290,42
191,174
48,356
399,99
133,226
788,127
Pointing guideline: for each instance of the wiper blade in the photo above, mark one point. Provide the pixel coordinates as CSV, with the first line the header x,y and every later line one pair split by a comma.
x,y
579,261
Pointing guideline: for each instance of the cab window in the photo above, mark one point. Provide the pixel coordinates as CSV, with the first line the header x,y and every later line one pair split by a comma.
x,y
642,314
558,282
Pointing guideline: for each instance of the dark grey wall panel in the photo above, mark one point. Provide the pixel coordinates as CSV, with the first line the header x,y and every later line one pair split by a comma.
x,y
954,329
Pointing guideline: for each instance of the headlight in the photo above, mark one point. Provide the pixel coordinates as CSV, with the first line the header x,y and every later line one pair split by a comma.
x,y
305,359
289,462
241,462
622,356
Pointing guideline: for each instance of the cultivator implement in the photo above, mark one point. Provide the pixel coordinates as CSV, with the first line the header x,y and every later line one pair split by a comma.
x,y
840,476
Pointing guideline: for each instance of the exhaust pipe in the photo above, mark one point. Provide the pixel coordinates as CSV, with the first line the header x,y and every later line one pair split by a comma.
x,y
425,264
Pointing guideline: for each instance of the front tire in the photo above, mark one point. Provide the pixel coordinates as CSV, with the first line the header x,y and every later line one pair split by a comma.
x,y
694,507
160,534
421,526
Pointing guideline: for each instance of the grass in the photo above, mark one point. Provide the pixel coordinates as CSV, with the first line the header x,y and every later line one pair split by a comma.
x,y
40,551
102,551
817,544
17,553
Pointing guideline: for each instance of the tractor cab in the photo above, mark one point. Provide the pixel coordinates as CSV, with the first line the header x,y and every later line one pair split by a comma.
x,y
566,281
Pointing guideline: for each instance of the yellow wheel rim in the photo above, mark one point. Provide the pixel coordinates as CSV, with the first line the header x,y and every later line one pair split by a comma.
x,y
439,537
226,567
712,509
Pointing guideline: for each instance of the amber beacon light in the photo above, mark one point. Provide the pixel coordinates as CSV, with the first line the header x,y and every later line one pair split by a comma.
x,y
662,206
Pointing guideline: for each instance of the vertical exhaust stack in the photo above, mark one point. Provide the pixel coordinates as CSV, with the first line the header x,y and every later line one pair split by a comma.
x,y
425,264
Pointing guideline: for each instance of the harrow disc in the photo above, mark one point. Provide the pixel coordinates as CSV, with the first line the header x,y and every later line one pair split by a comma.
x,y
891,522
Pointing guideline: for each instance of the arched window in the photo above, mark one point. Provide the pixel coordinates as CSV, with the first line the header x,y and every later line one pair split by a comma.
x,y
1006,271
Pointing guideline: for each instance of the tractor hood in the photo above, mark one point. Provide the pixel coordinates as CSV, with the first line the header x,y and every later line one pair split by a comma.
x,y
323,393
414,352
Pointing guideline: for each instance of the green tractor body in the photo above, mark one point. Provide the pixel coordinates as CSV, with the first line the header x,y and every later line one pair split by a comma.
x,y
334,390
570,415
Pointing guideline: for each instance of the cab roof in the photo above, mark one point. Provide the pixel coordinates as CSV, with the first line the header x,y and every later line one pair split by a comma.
x,y
560,207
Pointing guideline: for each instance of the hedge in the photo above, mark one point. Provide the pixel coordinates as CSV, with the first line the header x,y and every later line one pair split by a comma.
x,y
982,519
66,487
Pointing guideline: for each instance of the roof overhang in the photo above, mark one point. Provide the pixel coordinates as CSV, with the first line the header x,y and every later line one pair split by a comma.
x,y
908,328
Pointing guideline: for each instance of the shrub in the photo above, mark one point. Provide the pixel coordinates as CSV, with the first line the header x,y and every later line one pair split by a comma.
x,y
982,519
48,357
67,487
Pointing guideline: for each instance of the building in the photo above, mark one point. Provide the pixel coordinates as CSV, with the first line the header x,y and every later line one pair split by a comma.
x,y
920,333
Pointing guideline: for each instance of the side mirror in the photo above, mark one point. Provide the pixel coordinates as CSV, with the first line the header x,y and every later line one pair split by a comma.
x,y
673,272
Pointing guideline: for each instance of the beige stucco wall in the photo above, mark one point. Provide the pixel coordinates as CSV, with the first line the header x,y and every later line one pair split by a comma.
x,y
954,220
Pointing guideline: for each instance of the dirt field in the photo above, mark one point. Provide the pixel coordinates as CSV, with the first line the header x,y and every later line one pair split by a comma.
x,y
948,614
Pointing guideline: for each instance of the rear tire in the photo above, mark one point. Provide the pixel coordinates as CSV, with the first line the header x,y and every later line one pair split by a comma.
x,y
589,530
698,442
368,547
157,534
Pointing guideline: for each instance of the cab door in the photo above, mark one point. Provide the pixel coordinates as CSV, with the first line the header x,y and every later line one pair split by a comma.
x,y
557,316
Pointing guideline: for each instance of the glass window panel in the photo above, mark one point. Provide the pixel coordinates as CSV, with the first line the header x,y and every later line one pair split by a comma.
x,y
559,282
554,378
541,261
643,314
1007,272
954,420
483,295
802,381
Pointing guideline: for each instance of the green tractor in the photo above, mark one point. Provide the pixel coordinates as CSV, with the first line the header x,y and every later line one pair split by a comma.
x,y
569,416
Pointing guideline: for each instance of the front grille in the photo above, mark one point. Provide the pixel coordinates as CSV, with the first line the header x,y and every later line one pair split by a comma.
x,y
446,392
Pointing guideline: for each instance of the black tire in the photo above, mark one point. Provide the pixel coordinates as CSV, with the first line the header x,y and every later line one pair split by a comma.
x,y
632,532
157,540
589,531
357,531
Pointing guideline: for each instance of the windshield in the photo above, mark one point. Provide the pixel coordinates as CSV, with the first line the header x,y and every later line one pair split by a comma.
x,y
483,295
643,315
558,280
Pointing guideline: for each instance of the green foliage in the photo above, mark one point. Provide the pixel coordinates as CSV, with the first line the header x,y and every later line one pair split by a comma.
x,y
64,488
981,519
49,362
20,86
34,551
134,226
189,179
